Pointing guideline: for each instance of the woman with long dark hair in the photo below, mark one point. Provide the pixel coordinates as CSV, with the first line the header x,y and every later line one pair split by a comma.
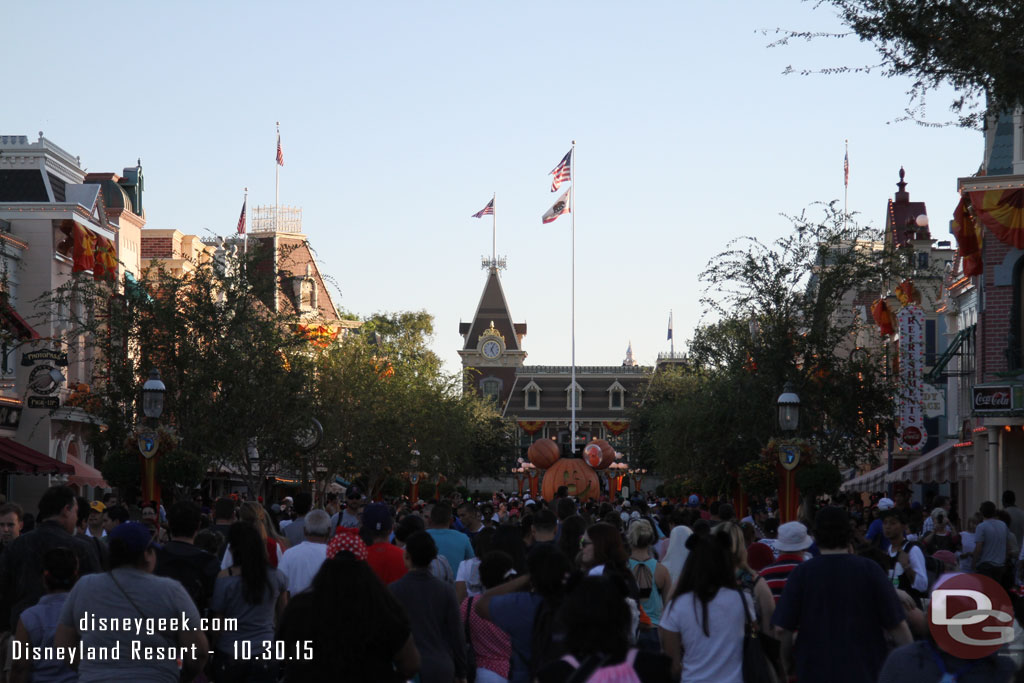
x,y
605,555
254,593
596,621
703,626
355,628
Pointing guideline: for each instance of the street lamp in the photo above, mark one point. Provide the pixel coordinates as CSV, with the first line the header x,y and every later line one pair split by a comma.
x,y
153,395
789,408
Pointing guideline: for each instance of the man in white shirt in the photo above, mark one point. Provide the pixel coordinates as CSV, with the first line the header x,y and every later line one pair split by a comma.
x,y
908,571
300,563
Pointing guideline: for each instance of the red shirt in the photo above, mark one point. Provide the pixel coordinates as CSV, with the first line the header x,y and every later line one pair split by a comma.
x,y
387,561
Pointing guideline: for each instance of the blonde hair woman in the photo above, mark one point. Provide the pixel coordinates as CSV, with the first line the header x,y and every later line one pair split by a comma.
x,y
747,579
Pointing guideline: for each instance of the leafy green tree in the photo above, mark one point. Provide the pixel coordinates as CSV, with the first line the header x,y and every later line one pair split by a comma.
x,y
975,46
388,409
785,314
238,377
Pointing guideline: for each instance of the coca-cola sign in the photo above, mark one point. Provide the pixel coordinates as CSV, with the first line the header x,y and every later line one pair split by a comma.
x,y
991,399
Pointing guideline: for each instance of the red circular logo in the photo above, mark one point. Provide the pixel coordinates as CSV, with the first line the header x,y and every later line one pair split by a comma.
x,y
970,615
912,436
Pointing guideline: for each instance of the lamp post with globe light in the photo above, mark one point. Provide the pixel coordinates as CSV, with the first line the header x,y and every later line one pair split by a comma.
x,y
153,393
788,405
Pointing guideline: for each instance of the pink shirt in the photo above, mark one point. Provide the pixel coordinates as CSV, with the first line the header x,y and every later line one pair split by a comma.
x,y
491,645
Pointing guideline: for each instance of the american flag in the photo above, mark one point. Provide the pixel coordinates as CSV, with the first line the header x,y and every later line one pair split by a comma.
x,y
846,170
562,172
280,154
241,219
486,211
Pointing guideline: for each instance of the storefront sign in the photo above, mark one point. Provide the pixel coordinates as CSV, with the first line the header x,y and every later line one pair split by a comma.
x,y
43,402
933,399
993,399
910,429
33,357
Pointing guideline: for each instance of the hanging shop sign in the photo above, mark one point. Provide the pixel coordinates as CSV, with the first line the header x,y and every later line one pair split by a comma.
x,y
910,433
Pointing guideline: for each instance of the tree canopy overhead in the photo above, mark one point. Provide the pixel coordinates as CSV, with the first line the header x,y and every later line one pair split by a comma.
x,y
975,46
789,311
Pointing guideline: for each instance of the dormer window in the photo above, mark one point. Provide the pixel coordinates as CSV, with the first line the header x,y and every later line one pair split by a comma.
x,y
532,396
578,391
616,396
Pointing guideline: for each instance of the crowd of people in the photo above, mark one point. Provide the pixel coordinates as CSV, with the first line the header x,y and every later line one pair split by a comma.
x,y
494,591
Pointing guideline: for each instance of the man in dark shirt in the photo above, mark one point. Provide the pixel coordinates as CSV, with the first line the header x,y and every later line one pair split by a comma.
x,y
433,614
21,566
842,605
194,568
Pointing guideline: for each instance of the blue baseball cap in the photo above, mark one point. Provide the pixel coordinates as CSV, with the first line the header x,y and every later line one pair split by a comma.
x,y
135,536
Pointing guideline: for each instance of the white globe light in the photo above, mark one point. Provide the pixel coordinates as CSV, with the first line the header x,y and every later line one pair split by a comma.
x,y
922,221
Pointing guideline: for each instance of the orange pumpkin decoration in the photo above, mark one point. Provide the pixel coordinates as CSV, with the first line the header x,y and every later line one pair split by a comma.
x,y
543,453
578,476
607,453
592,455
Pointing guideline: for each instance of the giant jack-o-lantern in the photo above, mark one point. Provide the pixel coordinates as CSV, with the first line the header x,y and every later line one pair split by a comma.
x,y
543,453
573,473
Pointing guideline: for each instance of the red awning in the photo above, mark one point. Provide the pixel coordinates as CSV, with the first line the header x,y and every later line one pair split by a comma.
x,y
15,457
13,322
85,475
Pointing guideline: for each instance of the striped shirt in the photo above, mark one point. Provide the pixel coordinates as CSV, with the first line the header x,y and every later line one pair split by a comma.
x,y
777,573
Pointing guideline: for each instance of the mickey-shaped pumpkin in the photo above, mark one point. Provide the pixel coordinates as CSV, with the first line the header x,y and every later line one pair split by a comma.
x,y
576,474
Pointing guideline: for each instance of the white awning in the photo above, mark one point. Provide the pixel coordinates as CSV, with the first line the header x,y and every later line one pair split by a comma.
x,y
935,466
869,481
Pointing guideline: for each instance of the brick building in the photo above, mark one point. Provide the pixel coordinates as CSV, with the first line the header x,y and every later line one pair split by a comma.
x,y
984,310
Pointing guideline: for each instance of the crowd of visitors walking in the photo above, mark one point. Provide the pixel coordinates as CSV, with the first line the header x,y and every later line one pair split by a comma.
x,y
495,591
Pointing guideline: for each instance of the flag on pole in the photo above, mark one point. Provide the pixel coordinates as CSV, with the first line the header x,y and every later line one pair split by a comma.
x,y
280,154
241,219
846,170
558,208
563,172
670,325
486,211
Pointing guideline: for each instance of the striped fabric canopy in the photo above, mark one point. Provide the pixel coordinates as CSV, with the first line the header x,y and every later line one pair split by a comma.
x,y
870,481
936,466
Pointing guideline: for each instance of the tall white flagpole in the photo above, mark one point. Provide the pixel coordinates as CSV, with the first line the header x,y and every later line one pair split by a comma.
x,y
494,229
572,210
277,176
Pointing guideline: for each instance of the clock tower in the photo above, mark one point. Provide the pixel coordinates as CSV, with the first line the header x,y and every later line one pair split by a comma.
x,y
492,344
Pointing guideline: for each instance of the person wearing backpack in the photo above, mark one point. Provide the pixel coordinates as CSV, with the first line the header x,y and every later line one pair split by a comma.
x,y
596,619
652,580
525,608
907,564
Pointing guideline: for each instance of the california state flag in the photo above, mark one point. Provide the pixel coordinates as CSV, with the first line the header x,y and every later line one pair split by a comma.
x,y
561,206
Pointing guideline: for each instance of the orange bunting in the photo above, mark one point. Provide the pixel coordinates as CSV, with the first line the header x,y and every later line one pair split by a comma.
x,y
616,427
907,293
84,250
531,427
318,335
1002,212
968,236
880,312
105,260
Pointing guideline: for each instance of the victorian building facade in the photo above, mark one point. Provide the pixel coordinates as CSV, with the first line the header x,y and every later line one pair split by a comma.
x,y
537,399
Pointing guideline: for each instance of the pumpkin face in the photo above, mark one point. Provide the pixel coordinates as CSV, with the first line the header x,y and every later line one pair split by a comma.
x,y
592,455
607,453
578,476
543,453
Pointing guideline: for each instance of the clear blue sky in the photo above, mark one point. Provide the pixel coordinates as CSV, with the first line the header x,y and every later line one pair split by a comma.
x,y
400,119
